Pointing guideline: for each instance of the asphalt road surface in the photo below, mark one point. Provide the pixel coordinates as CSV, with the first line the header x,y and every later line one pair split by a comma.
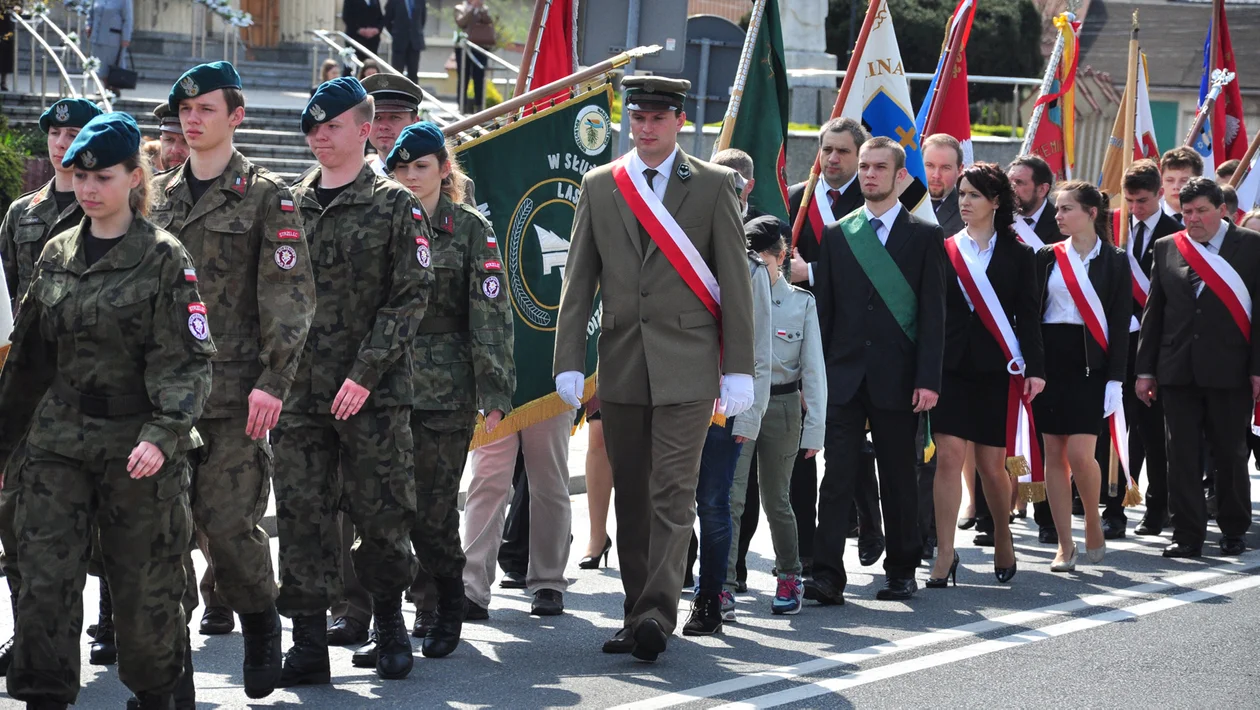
x,y
1133,632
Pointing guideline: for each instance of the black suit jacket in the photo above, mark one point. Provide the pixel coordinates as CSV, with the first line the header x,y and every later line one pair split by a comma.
x,y
406,31
1046,228
969,346
861,338
807,243
947,214
1112,280
1165,226
358,14
1193,341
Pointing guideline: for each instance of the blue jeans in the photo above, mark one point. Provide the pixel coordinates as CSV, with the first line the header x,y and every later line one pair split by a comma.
x,y
713,505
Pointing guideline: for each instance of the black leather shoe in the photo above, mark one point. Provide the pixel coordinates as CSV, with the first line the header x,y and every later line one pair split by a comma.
x,y
217,621
897,590
1149,526
621,642
474,611
394,658
1113,528
1232,545
1048,536
512,580
448,621
6,656
649,641
966,523
807,566
547,602
424,622
365,655
706,616
261,669
143,701
869,551
1181,549
347,631
104,649
306,662
823,592
984,539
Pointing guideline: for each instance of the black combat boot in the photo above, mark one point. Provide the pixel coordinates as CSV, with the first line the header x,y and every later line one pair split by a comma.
x,y
262,652
365,655
393,643
104,650
307,662
47,705
152,701
6,649
443,635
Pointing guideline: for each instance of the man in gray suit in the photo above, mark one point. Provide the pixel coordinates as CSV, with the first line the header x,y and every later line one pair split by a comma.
x,y
659,234
405,21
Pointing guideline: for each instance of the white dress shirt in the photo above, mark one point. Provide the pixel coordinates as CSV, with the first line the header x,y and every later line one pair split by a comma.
x,y
663,171
1035,216
1150,223
885,223
983,256
1060,308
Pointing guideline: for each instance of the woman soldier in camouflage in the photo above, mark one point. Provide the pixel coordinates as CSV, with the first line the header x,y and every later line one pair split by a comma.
x,y
463,363
109,369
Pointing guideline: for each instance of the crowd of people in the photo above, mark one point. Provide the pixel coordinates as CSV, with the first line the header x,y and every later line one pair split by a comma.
x,y
187,340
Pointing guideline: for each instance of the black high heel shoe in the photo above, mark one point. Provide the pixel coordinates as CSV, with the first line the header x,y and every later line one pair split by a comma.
x,y
1005,574
952,575
593,562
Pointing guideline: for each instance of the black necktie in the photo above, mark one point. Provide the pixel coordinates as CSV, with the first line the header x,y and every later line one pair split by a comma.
x,y
1177,216
834,196
650,173
1029,221
1138,240
875,225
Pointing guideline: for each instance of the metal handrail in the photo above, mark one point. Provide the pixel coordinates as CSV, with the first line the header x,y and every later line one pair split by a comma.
x,y
74,47
491,55
51,54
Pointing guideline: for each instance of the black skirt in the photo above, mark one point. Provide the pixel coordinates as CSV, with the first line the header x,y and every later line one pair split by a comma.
x,y
1072,402
973,407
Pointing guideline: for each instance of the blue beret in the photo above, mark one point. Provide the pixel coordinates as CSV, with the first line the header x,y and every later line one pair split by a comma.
x,y
331,99
72,113
106,140
416,141
202,79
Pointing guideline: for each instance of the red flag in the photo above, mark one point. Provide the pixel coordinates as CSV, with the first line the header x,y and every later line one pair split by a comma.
x,y
557,56
1229,131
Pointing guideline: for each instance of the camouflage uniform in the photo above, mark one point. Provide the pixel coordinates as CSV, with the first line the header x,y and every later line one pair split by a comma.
x,y
370,253
31,221
245,235
463,360
104,357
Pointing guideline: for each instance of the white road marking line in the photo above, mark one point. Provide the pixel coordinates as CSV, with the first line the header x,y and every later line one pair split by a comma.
x,y
1019,618
1005,643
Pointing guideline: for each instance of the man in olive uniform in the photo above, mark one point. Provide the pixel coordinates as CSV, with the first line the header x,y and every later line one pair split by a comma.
x,y
659,233
171,135
345,442
31,221
242,227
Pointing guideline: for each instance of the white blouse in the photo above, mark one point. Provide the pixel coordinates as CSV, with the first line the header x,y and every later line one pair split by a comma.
x,y
1060,308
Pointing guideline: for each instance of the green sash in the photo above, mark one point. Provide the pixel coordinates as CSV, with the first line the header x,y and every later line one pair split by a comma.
x,y
883,272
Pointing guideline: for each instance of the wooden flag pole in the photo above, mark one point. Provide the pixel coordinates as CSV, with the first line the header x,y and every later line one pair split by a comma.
x,y
841,97
954,44
525,77
1129,106
741,77
1245,164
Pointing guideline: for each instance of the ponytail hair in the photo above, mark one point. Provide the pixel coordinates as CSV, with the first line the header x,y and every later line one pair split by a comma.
x,y
453,184
140,199
1090,197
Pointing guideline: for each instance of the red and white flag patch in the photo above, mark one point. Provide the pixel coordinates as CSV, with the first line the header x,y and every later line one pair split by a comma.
x,y
239,184
492,241
288,234
417,213
286,205
190,275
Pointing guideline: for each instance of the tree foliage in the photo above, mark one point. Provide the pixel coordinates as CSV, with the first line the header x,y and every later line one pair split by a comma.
x,y
1005,39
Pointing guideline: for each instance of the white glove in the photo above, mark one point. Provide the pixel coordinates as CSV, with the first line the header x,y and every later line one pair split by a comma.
x,y
1113,399
569,386
737,394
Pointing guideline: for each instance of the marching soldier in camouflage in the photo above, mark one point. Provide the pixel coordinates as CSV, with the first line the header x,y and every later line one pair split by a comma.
x,y
345,440
31,221
243,229
463,363
109,371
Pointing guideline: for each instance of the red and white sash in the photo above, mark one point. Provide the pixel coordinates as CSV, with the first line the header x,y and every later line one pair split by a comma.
x,y
1090,307
1220,276
1141,284
820,213
1026,234
1021,436
668,236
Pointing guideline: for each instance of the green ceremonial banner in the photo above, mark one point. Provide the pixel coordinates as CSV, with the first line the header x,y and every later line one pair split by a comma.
x,y
528,176
761,126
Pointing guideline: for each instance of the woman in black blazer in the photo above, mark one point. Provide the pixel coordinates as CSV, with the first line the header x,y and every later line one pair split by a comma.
x,y
1083,380
976,382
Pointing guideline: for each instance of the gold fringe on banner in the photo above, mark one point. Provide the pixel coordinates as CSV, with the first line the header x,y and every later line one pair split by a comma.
x,y
527,415
1032,492
1017,466
1132,496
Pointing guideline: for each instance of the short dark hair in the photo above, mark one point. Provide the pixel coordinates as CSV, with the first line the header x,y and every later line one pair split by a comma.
x,y
1142,175
1197,187
234,97
1041,172
945,140
1182,157
1230,196
1227,168
884,142
844,124
736,160
989,180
